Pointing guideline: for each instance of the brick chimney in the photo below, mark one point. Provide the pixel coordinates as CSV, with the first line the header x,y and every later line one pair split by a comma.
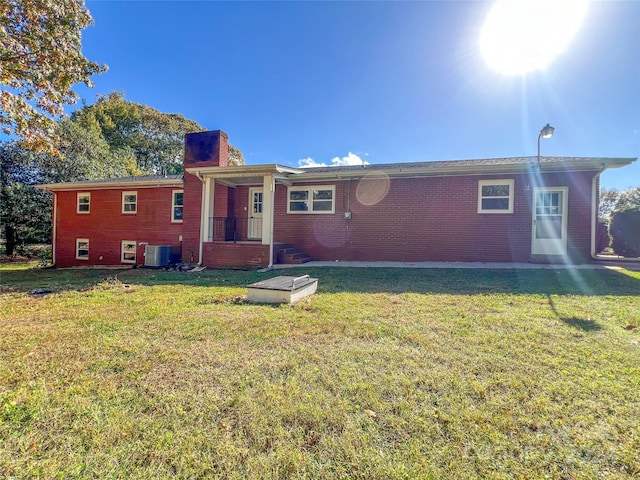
x,y
206,149
203,149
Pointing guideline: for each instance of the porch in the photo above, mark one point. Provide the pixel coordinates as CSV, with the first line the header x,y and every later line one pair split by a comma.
x,y
235,242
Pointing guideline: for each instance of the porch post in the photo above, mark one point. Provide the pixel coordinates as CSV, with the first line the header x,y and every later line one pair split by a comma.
x,y
268,189
206,212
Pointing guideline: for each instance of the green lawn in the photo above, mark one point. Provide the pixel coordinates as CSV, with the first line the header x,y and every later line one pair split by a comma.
x,y
384,373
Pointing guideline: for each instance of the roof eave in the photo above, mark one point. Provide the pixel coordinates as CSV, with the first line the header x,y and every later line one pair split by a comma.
x,y
244,170
60,187
596,164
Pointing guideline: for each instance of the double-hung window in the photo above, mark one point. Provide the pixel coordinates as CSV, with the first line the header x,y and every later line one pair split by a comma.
x,y
128,251
495,196
313,199
129,202
177,205
83,202
82,249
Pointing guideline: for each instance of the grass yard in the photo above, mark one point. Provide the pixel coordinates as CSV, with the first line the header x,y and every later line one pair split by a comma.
x,y
383,374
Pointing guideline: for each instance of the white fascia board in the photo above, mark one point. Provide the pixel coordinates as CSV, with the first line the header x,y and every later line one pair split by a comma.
x,y
60,187
244,171
596,164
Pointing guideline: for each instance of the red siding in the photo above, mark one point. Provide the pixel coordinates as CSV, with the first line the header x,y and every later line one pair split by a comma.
x,y
106,226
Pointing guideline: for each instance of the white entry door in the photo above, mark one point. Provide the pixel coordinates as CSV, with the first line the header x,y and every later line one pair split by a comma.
x,y
549,235
254,229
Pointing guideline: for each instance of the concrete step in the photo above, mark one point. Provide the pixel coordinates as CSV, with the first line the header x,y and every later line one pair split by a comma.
x,y
292,255
300,260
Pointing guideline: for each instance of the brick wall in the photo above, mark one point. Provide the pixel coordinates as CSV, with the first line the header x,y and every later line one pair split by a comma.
x,y
429,219
105,226
236,255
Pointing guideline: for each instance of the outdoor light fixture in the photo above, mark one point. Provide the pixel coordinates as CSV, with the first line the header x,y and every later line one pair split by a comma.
x,y
546,132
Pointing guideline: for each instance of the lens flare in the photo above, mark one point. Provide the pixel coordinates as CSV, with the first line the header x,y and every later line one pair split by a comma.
x,y
523,36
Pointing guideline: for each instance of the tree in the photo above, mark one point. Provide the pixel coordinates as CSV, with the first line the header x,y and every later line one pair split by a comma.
x,y
608,199
628,198
625,231
611,200
41,59
153,138
25,211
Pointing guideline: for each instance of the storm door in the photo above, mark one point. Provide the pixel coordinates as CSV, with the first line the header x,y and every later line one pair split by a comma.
x,y
549,235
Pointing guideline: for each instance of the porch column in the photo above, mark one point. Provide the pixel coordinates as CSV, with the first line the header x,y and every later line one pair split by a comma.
x,y
206,212
268,189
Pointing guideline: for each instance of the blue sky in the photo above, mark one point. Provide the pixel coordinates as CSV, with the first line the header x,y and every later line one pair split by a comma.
x,y
384,82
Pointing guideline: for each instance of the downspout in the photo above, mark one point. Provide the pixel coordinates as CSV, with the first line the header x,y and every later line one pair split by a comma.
x,y
594,212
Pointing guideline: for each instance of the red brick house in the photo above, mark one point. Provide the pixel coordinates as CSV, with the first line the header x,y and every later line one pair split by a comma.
x,y
490,210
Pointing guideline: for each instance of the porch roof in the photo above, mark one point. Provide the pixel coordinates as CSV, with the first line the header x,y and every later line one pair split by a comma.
x,y
245,174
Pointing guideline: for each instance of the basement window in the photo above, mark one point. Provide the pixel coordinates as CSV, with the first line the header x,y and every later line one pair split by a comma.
x,y
314,199
83,203
128,250
82,249
495,196
129,202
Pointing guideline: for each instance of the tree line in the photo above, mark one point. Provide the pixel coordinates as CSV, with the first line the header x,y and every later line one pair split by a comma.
x,y
111,138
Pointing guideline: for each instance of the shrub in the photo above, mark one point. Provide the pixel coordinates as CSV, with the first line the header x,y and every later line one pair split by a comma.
x,y
625,232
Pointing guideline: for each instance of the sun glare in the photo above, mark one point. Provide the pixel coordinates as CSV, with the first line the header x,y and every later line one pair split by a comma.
x,y
520,36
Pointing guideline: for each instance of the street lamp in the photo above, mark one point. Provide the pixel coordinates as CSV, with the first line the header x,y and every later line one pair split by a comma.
x,y
546,132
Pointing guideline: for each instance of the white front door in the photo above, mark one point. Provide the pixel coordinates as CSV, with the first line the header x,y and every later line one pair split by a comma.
x,y
549,234
254,229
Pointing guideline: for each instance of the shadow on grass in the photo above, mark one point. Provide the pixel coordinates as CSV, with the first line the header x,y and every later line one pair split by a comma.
x,y
584,324
358,280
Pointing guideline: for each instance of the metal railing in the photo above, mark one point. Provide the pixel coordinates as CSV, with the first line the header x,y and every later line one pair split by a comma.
x,y
234,229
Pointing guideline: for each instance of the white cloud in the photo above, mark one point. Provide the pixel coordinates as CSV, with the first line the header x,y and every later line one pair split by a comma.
x,y
310,162
350,159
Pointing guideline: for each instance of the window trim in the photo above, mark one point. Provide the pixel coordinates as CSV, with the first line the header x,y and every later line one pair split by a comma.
x,y
78,256
81,195
128,212
495,182
309,189
122,251
173,206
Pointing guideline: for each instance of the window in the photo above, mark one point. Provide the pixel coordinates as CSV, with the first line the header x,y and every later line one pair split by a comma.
x,y
495,196
128,250
315,199
129,202
82,249
176,205
84,202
